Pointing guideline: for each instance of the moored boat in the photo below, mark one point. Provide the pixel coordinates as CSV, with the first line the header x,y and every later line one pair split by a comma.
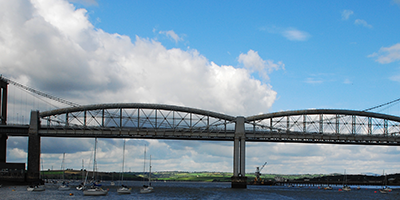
x,y
95,191
123,190
328,187
35,188
64,187
146,188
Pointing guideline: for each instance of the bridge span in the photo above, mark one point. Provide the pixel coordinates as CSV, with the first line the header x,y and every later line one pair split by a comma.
x,y
159,121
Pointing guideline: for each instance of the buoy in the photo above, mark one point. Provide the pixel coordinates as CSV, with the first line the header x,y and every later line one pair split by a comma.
x,y
13,190
374,191
71,194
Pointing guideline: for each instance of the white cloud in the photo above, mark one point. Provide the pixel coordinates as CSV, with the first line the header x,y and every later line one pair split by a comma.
x,y
346,14
289,33
295,35
395,78
85,2
314,81
52,43
362,22
347,81
171,34
254,62
387,55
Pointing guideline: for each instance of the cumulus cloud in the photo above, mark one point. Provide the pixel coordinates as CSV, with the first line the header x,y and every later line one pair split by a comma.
x,y
362,23
54,47
346,14
387,55
171,34
254,62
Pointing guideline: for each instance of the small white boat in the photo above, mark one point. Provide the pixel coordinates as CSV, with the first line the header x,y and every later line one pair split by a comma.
x,y
386,189
64,187
123,190
36,188
346,188
112,183
146,189
95,192
328,188
80,187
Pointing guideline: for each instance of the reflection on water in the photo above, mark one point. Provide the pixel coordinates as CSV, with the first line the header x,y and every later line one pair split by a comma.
x,y
196,190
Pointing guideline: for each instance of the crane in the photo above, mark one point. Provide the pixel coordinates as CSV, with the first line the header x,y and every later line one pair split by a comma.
x,y
2,78
258,172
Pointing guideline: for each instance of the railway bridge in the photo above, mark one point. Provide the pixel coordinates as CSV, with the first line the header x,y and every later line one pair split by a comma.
x,y
160,121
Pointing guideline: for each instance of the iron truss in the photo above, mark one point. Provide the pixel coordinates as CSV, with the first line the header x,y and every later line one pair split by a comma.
x,y
325,126
136,120
160,121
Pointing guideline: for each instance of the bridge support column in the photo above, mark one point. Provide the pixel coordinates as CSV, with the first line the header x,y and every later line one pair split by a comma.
x,y
239,179
33,174
3,148
3,119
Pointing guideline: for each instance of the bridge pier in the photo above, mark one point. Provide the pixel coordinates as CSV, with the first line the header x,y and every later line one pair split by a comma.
x,y
3,119
239,179
33,174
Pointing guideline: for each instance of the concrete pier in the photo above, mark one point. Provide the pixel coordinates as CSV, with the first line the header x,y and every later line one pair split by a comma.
x,y
33,174
239,180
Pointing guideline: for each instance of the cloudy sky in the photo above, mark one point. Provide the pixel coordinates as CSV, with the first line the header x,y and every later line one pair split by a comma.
x,y
234,57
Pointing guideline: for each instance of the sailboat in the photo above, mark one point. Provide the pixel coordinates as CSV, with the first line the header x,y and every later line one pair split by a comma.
x,y
64,186
123,189
345,186
146,188
94,190
385,189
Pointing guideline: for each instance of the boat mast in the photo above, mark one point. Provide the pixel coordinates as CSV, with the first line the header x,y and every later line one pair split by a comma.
x,y
144,164
62,166
94,158
150,171
123,163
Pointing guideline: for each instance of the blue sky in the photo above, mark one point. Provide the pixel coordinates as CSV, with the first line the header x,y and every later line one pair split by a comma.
x,y
234,57
325,46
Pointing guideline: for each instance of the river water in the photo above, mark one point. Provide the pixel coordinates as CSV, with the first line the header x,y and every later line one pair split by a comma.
x,y
201,190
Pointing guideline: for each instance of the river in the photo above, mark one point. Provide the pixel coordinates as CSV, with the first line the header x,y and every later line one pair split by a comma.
x,y
201,190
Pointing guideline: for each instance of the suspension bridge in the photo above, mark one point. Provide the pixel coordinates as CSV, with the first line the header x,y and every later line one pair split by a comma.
x,y
160,121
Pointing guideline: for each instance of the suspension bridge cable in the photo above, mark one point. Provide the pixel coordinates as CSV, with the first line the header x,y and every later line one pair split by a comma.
x,y
39,92
381,105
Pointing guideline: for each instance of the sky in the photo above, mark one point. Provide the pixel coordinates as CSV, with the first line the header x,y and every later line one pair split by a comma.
x,y
234,57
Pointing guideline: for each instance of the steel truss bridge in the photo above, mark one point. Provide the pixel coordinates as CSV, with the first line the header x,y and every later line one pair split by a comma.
x,y
159,121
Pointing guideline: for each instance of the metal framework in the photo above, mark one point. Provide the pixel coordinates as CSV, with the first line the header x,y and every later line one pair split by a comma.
x,y
325,126
138,121
161,121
